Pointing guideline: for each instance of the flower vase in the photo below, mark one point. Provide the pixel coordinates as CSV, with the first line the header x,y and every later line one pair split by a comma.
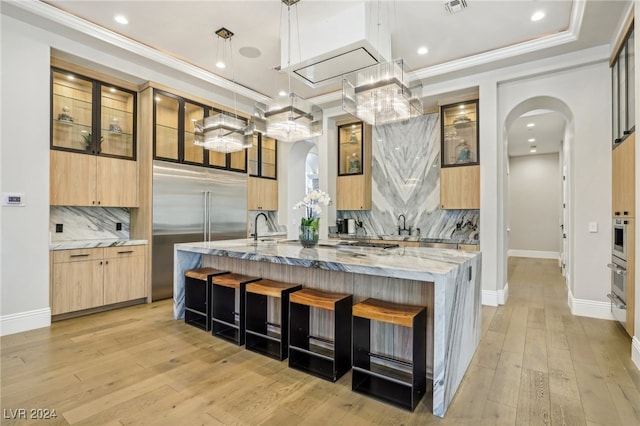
x,y
308,236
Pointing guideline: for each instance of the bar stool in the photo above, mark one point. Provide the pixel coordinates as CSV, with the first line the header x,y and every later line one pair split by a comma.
x,y
262,336
227,322
322,357
392,380
197,309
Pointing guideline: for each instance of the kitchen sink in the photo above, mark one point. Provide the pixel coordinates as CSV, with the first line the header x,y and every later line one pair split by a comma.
x,y
367,244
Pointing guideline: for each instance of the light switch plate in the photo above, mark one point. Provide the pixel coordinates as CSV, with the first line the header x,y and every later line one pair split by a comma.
x,y
13,199
593,227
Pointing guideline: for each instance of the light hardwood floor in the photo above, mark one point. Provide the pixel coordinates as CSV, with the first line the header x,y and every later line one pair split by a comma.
x,y
536,364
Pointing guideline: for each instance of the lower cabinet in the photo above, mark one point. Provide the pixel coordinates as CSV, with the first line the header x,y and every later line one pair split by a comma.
x,y
89,278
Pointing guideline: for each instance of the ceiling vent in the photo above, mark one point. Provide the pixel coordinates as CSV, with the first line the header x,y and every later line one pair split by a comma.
x,y
455,6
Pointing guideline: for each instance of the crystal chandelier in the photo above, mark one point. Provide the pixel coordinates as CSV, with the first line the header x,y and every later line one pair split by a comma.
x,y
382,93
288,118
223,132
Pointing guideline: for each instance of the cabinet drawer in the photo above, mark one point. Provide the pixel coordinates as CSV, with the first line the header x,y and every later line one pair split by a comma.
x,y
77,255
124,251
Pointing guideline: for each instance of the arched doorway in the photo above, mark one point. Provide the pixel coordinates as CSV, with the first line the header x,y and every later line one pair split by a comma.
x,y
543,109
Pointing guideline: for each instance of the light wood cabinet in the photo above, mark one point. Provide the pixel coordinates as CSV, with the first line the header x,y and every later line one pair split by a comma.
x,y
87,180
262,194
77,280
124,277
353,192
90,278
623,178
460,187
631,277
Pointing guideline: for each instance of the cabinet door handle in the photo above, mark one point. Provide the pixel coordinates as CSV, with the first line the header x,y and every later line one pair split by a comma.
x,y
125,252
617,213
106,262
79,255
625,213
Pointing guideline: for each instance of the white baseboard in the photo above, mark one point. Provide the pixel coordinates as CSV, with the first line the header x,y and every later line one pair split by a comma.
x,y
25,321
589,308
490,298
503,294
635,351
538,254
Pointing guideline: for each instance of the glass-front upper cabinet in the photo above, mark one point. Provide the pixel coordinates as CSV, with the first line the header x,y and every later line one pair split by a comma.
x,y
192,153
459,134
165,117
117,121
91,116
623,121
350,149
262,157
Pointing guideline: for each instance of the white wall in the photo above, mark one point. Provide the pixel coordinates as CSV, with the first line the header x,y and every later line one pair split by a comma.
x,y
590,168
534,203
24,168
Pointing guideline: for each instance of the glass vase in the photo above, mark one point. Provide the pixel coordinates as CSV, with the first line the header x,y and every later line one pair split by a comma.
x,y
308,236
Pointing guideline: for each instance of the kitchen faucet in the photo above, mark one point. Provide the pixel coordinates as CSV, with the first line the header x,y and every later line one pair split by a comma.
x,y
404,225
255,225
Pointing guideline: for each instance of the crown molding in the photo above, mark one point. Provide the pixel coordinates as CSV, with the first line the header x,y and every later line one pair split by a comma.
x,y
99,33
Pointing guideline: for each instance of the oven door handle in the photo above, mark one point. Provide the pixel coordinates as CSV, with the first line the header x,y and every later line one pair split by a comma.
x,y
618,270
616,301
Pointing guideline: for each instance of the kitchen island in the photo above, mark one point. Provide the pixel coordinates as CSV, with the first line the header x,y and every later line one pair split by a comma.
x,y
447,282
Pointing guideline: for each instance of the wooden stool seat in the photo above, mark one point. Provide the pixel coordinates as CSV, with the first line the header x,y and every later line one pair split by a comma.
x,y
393,313
389,378
317,298
227,312
197,304
270,288
261,335
327,354
202,274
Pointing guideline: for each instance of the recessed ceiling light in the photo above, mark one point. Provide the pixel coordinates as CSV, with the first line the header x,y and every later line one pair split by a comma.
x,y
221,65
70,77
423,50
121,19
531,139
531,125
158,99
533,148
537,16
282,93
112,89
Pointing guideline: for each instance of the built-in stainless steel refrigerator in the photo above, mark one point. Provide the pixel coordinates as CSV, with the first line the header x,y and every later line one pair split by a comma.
x,y
192,204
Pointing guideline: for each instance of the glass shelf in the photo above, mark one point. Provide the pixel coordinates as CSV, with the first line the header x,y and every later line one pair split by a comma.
x,y
350,149
459,125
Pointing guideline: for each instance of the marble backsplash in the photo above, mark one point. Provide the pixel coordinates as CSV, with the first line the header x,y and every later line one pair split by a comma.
x,y
88,223
406,181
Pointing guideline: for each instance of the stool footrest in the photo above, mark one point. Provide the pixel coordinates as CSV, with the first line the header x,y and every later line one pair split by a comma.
x,y
316,354
225,323
275,338
391,359
322,339
385,376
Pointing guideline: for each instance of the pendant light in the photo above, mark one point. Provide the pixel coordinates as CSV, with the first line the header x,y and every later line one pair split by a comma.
x,y
223,132
382,93
288,118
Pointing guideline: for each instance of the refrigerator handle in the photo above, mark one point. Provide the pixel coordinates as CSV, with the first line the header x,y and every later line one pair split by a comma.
x,y
209,216
205,219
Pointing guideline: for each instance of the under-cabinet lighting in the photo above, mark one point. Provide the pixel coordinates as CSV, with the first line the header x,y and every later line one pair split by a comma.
x,y
121,19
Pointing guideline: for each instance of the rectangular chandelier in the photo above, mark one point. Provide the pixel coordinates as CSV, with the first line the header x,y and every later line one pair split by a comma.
x,y
223,133
288,118
382,93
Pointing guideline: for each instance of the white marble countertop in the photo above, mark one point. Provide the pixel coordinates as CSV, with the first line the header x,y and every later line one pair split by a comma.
x,y
80,244
401,262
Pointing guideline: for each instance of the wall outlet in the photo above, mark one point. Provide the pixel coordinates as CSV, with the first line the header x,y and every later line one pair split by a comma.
x,y
58,228
593,227
118,226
